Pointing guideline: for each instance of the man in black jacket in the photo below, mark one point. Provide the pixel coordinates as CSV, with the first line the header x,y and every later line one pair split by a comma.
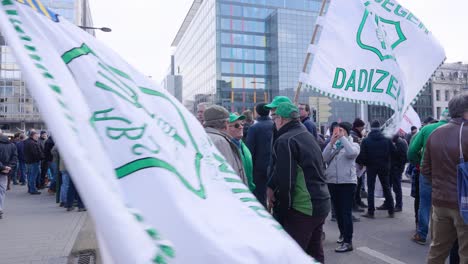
x,y
8,161
398,162
33,156
376,151
259,143
297,189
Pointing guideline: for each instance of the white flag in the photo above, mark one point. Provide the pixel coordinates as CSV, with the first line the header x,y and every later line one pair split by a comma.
x,y
410,119
143,164
375,52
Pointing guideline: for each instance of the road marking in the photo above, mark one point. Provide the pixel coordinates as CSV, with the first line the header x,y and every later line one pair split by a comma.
x,y
380,256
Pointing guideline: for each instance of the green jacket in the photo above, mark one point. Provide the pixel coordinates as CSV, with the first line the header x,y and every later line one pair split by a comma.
x,y
418,142
248,164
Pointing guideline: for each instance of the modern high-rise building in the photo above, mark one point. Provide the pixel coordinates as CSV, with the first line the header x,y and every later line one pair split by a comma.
x,y
239,53
17,108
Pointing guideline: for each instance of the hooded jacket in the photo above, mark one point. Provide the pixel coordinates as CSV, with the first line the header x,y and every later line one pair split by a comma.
x,y
418,142
341,161
8,154
297,174
376,151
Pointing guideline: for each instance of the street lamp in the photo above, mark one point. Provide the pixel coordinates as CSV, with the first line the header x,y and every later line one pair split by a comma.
x,y
104,29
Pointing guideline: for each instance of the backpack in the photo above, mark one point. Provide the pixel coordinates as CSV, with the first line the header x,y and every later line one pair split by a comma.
x,y
462,182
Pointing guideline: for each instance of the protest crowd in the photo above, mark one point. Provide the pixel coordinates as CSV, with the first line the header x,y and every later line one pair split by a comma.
x,y
302,176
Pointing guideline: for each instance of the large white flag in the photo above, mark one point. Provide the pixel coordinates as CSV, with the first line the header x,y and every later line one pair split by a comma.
x,y
143,164
375,52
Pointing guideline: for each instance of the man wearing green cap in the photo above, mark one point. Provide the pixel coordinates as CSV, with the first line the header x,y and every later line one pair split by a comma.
x,y
236,131
416,156
297,190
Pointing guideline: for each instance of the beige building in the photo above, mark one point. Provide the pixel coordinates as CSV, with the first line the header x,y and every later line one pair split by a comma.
x,y
449,80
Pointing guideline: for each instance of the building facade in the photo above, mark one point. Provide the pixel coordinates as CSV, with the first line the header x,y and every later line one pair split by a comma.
x,y
243,52
18,110
449,80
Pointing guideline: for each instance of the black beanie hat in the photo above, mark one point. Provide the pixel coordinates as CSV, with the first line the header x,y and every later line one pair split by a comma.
x,y
260,108
375,124
358,123
346,126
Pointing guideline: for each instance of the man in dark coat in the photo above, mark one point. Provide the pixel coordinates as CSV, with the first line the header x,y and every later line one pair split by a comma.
x,y
259,143
297,190
8,161
33,155
398,162
304,111
376,151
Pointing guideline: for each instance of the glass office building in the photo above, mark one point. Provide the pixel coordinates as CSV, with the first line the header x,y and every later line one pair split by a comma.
x,y
17,108
239,53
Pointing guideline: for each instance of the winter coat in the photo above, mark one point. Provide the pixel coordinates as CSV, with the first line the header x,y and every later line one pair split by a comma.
x,y
376,151
310,125
20,150
398,159
32,151
418,142
259,143
246,162
341,161
297,174
229,150
48,145
441,159
8,154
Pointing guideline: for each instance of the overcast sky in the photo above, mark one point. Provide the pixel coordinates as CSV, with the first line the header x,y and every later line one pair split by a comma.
x,y
143,30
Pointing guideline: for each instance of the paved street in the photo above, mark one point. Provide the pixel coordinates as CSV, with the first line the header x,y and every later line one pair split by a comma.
x,y
36,230
381,240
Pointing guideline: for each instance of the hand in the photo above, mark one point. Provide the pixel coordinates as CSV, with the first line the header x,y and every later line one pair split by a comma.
x,y
270,199
341,133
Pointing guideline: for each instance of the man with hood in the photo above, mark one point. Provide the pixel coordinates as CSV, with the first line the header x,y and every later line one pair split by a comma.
x,y
376,151
8,161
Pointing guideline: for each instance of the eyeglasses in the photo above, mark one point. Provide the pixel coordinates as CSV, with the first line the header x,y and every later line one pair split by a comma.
x,y
237,125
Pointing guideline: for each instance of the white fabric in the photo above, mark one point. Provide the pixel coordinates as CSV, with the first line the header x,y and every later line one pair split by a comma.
x,y
385,52
411,118
110,122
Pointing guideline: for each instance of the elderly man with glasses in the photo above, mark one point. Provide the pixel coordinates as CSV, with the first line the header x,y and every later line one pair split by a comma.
x,y
236,131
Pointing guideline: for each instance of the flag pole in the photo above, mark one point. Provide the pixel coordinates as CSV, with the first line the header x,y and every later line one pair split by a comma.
x,y
312,41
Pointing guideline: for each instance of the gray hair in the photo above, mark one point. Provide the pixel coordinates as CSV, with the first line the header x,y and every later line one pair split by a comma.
x,y
458,106
216,124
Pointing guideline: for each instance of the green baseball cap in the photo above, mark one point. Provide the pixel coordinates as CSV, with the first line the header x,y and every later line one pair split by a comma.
x,y
287,110
233,117
276,101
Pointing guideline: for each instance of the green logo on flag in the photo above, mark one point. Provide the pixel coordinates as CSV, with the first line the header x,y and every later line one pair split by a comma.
x,y
387,32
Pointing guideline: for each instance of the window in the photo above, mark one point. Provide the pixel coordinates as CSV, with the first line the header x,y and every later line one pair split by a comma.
x,y
437,95
447,95
438,112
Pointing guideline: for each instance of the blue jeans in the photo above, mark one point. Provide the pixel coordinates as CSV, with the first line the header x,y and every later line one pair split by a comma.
x,y
33,174
53,175
22,171
64,187
424,212
73,194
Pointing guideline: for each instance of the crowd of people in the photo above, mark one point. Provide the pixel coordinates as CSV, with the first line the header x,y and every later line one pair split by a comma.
x,y
301,175
35,163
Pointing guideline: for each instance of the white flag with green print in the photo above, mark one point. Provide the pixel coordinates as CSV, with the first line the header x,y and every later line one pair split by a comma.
x,y
155,186
375,52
